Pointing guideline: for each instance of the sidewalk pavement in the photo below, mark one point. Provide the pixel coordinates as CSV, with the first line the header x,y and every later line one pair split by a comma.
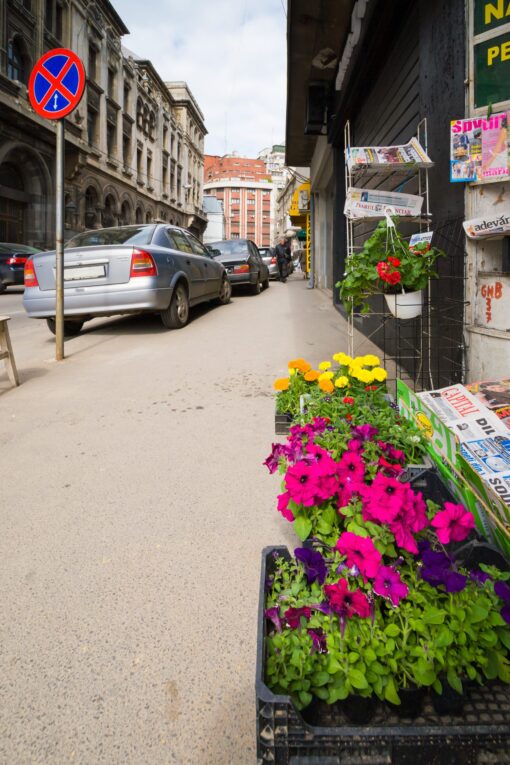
x,y
134,508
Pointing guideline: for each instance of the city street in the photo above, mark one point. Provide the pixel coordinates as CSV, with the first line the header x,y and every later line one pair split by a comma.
x,y
134,508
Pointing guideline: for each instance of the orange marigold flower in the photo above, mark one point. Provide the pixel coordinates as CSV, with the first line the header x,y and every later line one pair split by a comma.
x,y
312,375
300,364
282,383
326,386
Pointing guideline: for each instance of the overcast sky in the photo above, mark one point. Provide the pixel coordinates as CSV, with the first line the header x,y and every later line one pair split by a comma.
x,y
232,54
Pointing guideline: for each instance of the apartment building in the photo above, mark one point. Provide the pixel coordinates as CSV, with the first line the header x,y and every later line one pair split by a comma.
x,y
244,187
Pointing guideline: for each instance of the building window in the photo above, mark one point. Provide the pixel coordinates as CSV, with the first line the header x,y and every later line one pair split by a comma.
x,y
139,114
126,98
111,138
92,122
172,178
17,61
111,82
179,183
126,149
149,169
139,163
92,69
53,17
164,175
152,126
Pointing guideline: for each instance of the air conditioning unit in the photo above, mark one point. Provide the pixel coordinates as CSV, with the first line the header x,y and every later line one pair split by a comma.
x,y
316,108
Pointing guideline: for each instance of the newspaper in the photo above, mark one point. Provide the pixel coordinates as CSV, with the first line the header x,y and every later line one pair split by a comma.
x,y
495,395
466,416
479,148
483,228
411,155
488,456
370,203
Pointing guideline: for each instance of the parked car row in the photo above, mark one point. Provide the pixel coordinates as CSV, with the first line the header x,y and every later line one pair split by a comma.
x,y
153,267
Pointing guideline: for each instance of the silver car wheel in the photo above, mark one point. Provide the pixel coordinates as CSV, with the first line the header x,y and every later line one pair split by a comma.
x,y
226,291
182,305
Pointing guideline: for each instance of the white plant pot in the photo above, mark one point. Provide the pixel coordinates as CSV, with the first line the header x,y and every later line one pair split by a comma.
x,y
407,305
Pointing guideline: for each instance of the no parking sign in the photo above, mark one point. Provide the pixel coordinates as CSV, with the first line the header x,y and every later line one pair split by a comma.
x,y
56,84
55,88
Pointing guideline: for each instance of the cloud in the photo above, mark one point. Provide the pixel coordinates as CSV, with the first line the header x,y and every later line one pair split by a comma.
x,y
232,54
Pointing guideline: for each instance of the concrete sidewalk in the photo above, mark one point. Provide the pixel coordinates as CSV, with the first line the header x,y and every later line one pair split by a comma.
x,y
134,507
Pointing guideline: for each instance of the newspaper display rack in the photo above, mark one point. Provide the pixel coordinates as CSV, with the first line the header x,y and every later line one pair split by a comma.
x,y
375,167
426,349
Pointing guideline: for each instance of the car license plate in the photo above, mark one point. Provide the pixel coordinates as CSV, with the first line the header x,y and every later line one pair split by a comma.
x,y
84,272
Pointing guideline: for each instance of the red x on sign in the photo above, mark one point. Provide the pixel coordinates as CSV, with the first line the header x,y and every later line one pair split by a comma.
x,y
56,83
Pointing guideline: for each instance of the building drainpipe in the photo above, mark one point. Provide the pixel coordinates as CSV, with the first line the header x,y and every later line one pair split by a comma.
x,y
311,281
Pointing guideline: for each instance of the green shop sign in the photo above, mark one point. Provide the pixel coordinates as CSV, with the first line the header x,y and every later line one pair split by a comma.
x,y
491,57
490,15
492,70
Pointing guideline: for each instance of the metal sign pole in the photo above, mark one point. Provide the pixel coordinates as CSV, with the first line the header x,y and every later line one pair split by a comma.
x,y
59,249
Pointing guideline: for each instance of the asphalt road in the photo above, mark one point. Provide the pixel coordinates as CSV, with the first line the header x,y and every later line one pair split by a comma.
x,y
134,508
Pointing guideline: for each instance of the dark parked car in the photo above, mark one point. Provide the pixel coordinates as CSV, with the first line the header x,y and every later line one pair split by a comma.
x,y
12,263
268,256
243,263
130,269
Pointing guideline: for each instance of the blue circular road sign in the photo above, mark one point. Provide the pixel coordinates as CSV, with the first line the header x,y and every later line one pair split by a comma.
x,y
56,83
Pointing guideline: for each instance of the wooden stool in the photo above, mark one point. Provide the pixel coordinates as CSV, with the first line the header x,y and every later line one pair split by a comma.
x,y
6,350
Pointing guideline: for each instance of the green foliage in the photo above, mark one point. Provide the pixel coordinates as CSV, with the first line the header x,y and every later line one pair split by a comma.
x,y
361,278
430,638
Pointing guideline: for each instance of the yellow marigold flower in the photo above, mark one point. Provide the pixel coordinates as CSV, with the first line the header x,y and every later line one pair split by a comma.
x,y
312,375
379,374
325,365
363,375
326,376
300,364
326,386
282,383
370,360
341,382
343,359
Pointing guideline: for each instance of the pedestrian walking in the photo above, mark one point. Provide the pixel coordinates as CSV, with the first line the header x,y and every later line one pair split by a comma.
x,y
283,257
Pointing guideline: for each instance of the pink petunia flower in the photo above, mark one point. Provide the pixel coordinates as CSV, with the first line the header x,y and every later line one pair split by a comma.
x,y
360,552
283,506
345,602
453,524
351,466
388,584
301,482
293,616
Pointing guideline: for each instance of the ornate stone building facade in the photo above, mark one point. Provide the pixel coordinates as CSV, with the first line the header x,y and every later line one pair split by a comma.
x,y
134,146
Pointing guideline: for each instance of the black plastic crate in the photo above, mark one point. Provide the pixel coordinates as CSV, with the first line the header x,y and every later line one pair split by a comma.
x,y
282,423
481,736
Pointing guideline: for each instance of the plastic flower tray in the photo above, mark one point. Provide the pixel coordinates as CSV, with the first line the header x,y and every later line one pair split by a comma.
x,y
481,736
282,423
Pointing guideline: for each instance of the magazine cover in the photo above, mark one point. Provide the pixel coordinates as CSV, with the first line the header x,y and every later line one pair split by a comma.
x,y
465,150
495,395
495,147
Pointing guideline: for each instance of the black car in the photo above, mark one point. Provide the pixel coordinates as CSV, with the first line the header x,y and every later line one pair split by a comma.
x,y
243,263
12,263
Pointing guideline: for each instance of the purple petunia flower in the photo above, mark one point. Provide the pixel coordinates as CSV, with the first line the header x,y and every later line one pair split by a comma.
x,y
388,584
318,641
438,570
479,576
313,564
502,590
364,432
273,614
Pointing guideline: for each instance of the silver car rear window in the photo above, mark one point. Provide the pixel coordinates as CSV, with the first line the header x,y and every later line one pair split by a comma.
x,y
105,236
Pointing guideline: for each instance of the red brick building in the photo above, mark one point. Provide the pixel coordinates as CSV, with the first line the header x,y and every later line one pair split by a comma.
x,y
245,189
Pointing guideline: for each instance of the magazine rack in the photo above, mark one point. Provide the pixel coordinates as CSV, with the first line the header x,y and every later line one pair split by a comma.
x,y
426,351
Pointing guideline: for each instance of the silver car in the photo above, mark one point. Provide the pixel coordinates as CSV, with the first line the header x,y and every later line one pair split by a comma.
x,y
268,256
125,270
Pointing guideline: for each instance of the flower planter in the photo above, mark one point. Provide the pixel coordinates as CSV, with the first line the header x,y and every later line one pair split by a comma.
x,y
285,738
406,305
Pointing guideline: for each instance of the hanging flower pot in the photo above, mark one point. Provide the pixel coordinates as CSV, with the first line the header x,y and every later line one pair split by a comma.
x,y
406,305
